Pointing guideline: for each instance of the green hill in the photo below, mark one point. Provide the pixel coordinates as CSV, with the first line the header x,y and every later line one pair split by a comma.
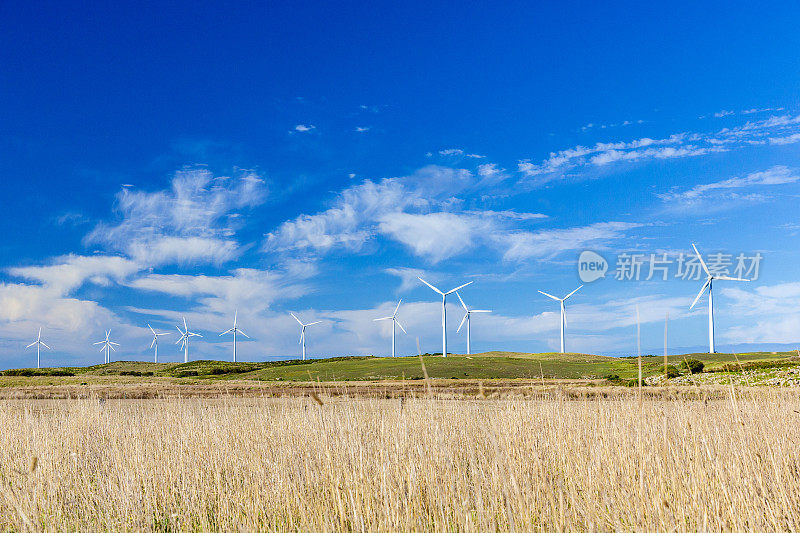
x,y
489,365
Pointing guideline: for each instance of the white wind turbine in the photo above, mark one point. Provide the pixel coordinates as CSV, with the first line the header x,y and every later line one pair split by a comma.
x,y
709,282
394,320
154,344
444,312
466,319
303,332
234,330
185,335
563,312
107,346
38,343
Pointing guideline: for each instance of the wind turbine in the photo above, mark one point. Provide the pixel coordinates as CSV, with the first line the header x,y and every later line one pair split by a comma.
x,y
394,320
709,282
154,344
185,335
234,330
444,312
303,333
38,343
107,346
563,311
467,319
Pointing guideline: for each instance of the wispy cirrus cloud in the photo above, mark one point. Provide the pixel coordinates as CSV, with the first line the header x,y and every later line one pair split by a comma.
x,y
777,129
723,192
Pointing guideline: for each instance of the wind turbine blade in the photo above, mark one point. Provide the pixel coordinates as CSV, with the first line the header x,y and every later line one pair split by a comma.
x,y
114,343
179,340
151,329
699,294
429,285
162,334
153,343
481,311
462,303
112,347
728,278
573,292
550,296
400,326
374,319
462,321
103,348
317,322
302,334
243,333
95,343
235,316
298,320
31,344
459,287
225,332
194,334
185,327
700,257
397,308
179,330
46,346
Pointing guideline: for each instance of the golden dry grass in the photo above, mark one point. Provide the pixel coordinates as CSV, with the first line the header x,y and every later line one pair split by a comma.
x,y
413,464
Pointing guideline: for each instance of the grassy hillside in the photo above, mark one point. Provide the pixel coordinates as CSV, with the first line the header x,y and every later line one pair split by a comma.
x,y
505,365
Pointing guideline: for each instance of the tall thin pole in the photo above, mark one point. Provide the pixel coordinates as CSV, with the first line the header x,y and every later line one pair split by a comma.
x,y
234,343
666,321
710,318
38,348
444,327
155,358
563,324
639,351
469,348
393,329
304,343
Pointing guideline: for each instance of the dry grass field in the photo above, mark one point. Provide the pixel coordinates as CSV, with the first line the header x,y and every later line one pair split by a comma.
x,y
508,464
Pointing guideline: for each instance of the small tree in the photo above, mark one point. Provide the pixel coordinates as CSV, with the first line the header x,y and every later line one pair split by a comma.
x,y
694,366
673,372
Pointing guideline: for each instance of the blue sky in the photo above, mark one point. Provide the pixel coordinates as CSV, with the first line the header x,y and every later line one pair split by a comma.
x,y
188,160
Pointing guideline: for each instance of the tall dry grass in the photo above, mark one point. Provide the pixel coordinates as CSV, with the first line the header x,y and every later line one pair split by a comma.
x,y
388,465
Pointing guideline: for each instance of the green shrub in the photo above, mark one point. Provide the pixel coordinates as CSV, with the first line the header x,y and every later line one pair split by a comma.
x,y
695,366
673,372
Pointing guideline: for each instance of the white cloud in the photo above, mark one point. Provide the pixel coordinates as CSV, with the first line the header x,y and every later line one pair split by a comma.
x,y
362,129
770,311
723,113
435,236
520,245
67,273
304,127
251,289
408,277
192,222
719,191
774,129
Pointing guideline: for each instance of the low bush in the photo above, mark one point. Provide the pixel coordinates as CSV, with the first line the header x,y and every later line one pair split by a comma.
x,y
695,366
672,372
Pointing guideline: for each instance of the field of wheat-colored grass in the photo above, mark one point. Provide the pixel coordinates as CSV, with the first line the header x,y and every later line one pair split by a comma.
x,y
413,464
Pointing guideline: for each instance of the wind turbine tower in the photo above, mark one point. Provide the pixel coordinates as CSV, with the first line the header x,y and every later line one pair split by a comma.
x,y
444,310
38,343
107,346
466,319
395,322
234,330
154,344
303,332
185,336
563,312
709,283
